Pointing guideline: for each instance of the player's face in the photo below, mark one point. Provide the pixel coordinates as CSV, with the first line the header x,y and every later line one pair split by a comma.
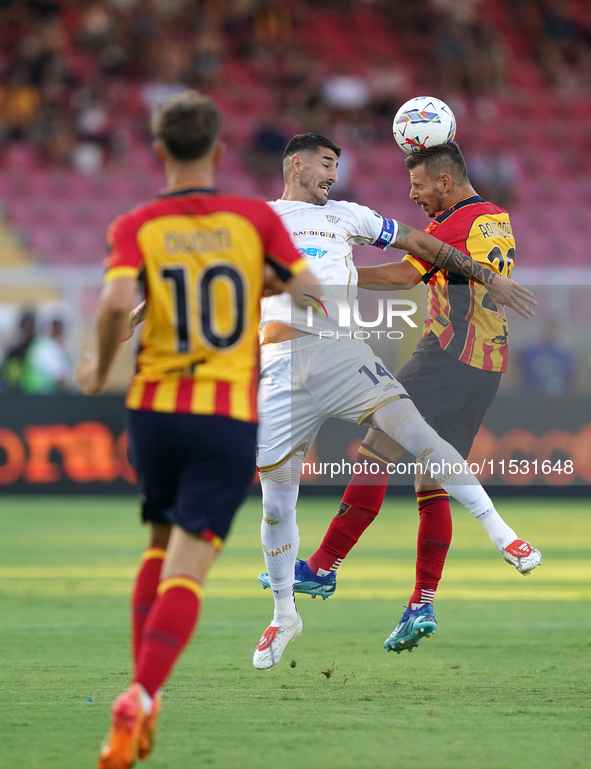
x,y
318,174
426,191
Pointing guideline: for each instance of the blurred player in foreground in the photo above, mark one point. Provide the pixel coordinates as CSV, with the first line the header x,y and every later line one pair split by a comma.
x,y
309,375
452,378
191,406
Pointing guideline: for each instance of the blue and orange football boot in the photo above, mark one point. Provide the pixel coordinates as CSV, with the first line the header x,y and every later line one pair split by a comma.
x,y
414,625
305,581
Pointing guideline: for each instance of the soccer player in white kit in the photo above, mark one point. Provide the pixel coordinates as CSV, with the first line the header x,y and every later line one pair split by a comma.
x,y
311,374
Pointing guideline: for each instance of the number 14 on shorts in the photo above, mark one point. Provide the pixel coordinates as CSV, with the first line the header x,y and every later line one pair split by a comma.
x,y
380,372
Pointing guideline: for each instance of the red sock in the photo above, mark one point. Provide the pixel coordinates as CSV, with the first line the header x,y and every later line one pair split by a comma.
x,y
361,503
433,543
144,594
167,630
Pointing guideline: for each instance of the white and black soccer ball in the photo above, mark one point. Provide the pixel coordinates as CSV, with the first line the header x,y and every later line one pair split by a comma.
x,y
423,122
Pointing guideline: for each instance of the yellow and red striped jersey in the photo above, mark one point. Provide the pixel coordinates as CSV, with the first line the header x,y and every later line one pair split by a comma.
x,y
460,311
201,258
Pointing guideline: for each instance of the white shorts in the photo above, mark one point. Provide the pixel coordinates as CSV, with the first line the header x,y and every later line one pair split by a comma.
x,y
307,380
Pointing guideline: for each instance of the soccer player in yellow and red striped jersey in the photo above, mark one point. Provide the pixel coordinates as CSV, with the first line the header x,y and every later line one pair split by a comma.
x,y
460,313
191,407
199,255
452,378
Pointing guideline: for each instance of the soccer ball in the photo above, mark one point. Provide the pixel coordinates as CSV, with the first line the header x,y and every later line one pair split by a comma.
x,y
423,122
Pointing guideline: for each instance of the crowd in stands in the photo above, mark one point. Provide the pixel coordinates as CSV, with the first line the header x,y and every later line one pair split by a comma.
x,y
78,81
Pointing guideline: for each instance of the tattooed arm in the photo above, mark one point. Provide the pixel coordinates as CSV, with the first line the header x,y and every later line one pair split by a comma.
x,y
136,316
441,255
502,290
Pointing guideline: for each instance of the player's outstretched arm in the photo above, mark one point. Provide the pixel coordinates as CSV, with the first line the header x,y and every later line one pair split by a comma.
x,y
113,318
502,290
384,276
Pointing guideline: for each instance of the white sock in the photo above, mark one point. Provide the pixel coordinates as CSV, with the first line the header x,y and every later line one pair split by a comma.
x,y
279,530
402,421
324,572
501,535
146,700
285,607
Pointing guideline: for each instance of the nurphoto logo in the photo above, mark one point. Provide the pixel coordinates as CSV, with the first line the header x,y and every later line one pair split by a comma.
x,y
388,310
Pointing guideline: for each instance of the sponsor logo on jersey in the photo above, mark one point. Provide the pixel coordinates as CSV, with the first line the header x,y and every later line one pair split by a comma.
x,y
319,233
333,219
312,252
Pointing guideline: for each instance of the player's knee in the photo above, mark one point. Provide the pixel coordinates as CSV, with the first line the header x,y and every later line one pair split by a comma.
x,y
279,505
383,444
159,535
402,421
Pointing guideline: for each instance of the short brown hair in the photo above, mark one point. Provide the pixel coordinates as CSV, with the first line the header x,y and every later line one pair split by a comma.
x,y
442,158
187,124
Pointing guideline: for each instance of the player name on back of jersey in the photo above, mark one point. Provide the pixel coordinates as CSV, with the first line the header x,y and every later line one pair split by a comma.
x,y
187,241
496,229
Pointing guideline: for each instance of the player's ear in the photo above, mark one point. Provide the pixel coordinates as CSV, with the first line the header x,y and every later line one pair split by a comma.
x,y
218,152
295,164
445,181
159,150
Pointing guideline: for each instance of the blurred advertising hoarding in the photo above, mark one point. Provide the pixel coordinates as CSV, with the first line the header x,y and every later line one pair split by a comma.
x,y
76,445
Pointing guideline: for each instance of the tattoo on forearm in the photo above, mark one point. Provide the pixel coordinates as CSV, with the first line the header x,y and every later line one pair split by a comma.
x,y
402,234
449,258
137,316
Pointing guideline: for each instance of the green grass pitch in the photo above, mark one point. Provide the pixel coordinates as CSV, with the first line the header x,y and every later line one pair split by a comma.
x,y
503,682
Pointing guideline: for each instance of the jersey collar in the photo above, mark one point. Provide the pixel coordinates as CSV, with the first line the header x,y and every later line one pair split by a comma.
x,y
441,217
187,191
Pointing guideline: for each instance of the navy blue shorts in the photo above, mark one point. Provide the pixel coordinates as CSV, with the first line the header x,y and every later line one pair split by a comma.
x,y
193,470
452,396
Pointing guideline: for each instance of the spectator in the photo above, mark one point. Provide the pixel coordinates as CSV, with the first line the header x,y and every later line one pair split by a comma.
x,y
346,91
548,368
494,174
19,101
266,152
37,364
15,362
171,68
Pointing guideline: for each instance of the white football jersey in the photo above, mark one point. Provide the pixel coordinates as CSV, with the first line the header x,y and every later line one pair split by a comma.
x,y
325,235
